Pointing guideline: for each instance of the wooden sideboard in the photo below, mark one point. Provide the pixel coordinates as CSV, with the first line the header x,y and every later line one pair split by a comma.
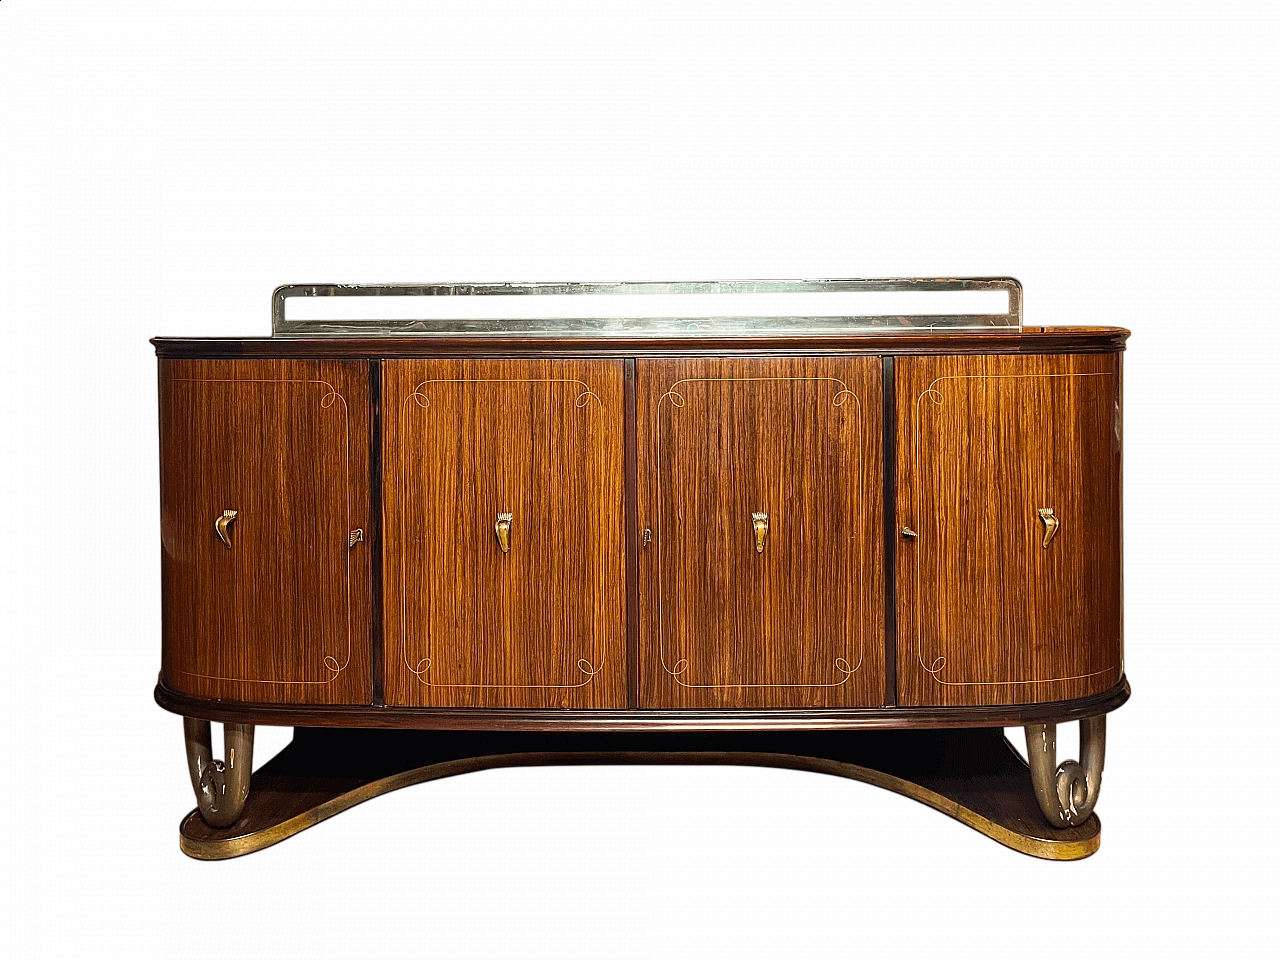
x,y
751,535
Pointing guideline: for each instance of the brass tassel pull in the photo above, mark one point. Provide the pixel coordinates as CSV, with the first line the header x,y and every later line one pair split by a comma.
x,y
760,522
223,526
1051,524
503,530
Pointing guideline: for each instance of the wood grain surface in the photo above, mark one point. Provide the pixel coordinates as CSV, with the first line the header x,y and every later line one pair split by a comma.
x,y
801,623
986,613
466,624
642,721
283,616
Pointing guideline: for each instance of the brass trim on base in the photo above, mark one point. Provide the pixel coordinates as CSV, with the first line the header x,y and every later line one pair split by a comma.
x,y
1086,842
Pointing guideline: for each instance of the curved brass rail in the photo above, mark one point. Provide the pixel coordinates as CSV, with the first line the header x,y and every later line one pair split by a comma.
x,y
221,788
1067,795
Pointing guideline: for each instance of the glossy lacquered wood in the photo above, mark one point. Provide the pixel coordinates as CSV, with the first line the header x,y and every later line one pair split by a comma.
x,y
641,721
870,343
542,625
283,614
988,619
986,613
799,622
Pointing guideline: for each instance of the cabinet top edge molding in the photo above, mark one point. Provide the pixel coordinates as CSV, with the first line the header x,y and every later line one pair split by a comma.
x,y
905,342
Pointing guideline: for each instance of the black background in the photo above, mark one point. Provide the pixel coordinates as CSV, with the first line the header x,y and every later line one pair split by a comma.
x,y
713,823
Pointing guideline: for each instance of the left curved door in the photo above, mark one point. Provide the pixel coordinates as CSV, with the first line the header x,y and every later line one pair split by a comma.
x,y
275,606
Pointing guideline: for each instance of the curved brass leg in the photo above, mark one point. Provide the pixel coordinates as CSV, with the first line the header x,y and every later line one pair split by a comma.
x,y
1068,794
221,788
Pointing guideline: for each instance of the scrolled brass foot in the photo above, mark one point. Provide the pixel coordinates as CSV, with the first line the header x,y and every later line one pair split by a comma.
x,y
1068,793
221,787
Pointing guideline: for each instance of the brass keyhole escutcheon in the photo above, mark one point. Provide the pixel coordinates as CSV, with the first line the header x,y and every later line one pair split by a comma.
x,y
502,529
760,523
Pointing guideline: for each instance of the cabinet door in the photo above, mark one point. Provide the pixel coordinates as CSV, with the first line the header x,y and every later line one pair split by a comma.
x,y
465,443
279,611
987,613
799,622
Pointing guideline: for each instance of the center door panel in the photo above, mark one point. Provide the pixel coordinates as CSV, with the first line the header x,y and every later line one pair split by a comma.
x,y
794,444
467,624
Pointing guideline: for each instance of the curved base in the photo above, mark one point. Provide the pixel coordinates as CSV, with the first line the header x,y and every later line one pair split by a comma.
x,y
643,721
974,776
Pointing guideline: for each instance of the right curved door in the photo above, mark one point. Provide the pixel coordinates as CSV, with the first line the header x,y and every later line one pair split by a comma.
x,y
1008,561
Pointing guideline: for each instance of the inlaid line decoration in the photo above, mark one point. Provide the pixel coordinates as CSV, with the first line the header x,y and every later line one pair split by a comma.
x,y
328,400
939,663
589,668
677,401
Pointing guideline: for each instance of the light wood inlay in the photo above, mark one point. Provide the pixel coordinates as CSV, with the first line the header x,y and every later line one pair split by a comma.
x,y
282,616
466,624
986,613
798,624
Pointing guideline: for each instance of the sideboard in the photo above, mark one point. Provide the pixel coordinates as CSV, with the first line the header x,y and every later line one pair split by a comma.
x,y
861,551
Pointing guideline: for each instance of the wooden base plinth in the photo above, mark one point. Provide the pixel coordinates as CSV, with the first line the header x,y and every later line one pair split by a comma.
x,y
972,775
